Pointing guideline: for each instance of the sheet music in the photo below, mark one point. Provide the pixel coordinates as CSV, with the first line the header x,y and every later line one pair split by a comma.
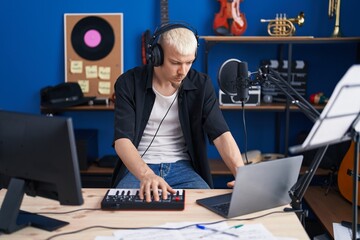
x,y
218,231
338,115
343,233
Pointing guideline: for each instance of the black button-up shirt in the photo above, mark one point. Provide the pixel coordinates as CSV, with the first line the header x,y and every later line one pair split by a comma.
x,y
199,113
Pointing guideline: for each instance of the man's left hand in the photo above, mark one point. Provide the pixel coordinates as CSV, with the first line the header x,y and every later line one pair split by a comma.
x,y
231,184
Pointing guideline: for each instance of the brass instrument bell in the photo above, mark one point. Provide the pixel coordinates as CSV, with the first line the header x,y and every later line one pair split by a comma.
x,y
282,26
334,9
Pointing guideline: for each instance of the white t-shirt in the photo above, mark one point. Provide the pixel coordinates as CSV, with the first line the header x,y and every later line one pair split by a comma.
x,y
169,144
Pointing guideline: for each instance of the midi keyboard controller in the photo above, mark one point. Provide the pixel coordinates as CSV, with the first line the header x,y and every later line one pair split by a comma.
x,y
128,199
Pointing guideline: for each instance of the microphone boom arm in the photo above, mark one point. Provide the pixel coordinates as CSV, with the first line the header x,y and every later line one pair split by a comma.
x,y
298,190
289,91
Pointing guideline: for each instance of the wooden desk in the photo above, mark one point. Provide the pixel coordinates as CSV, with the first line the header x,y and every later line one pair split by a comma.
x,y
328,208
280,224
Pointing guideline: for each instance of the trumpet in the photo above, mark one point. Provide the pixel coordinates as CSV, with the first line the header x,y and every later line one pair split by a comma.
x,y
334,9
282,26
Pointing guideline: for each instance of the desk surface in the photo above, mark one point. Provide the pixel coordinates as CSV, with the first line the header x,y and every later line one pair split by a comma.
x,y
329,208
280,224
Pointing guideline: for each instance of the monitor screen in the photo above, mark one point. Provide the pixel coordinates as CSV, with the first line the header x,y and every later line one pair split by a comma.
x,y
37,157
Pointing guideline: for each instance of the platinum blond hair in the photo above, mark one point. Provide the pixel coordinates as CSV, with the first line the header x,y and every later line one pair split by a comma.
x,y
182,39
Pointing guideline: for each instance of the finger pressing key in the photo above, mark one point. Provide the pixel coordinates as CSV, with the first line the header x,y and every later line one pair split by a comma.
x,y
155,192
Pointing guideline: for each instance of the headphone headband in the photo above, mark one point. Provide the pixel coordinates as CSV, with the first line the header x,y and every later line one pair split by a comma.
x,y
154,50
169,26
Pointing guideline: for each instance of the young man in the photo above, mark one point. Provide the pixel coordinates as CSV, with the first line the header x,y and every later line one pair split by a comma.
x,y
163,110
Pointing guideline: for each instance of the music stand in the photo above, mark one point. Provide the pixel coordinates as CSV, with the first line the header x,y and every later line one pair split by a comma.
x,y
339,122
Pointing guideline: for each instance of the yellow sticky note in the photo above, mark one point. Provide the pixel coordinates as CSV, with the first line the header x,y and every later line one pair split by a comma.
x,y
91,71
84,85
104,73
104,87
76,66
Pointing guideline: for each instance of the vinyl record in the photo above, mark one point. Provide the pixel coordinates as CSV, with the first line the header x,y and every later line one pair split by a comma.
x,y
92,38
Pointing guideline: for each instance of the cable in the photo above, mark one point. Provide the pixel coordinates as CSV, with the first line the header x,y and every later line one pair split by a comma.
x,y
245,132
256,217
286,210
72,211
157,130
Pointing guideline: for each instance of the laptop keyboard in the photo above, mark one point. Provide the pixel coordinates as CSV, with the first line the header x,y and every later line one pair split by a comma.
x,y
222,207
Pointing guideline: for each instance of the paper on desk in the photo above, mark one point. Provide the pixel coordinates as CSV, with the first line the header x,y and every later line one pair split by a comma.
x,y
248,231
343,233
183,234
252,231
105,238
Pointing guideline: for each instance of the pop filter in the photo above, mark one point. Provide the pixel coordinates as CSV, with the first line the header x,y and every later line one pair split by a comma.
x,y
233,79
227,76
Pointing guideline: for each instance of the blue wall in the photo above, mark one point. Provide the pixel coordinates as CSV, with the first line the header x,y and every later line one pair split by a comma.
x,y
32,53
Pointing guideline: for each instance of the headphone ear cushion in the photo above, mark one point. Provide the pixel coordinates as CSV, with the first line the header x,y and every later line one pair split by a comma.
x,y
157,55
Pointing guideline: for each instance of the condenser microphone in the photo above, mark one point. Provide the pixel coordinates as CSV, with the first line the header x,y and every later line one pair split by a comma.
x,y
242,82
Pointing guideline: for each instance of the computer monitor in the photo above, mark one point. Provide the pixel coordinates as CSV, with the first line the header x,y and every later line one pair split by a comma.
x,y
37,157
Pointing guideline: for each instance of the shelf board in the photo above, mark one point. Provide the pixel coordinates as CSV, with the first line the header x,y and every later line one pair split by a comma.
x,y
218,167
266,106
270,39
329,207
94,169
109,107
261,107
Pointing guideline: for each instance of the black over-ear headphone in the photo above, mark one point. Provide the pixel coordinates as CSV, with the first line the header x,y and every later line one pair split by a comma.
x,y
154,50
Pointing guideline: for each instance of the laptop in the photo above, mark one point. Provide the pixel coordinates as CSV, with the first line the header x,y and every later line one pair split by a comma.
x,y
258,187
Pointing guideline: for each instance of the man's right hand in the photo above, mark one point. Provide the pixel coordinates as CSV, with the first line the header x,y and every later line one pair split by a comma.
x,y
149,181
152,183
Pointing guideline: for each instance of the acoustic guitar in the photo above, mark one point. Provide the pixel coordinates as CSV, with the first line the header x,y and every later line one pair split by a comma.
x,y
146,36
345,174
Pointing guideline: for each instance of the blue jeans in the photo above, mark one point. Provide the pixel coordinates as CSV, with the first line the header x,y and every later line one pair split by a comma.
x,y
179,175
